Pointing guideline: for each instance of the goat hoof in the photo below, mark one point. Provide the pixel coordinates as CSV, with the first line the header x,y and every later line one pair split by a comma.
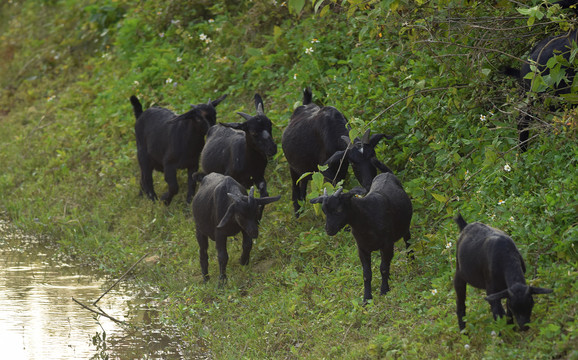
x,y
206,278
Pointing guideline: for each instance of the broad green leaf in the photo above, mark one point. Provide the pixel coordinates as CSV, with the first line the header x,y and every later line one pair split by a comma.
x,y
296,5
439,197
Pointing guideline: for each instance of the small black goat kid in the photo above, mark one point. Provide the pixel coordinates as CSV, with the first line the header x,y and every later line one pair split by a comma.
x,y
539,56
320,136
166,142
377,220
222,208
241,150
487,258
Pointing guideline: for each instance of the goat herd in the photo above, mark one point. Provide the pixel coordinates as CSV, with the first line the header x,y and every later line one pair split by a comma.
x,y
234,157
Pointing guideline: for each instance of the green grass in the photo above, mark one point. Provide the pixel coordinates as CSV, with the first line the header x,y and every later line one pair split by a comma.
x,y
67,69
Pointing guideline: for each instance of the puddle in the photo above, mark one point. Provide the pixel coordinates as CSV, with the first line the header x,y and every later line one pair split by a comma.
x,y
39,319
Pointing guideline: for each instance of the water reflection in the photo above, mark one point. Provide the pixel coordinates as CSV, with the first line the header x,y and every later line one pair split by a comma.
x,y
39,320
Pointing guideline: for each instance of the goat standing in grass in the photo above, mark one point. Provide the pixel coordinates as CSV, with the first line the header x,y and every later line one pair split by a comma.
x,y
166,142
487,258
377,220
222,208
320,136
241,150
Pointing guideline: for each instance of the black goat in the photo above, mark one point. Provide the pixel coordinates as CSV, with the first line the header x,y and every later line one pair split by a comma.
x,y
320,136
166,142
539,57
487,258
377,220
221,208
241,150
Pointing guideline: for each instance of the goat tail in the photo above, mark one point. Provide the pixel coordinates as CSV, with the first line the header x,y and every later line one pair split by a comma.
x,y
136,106
307,96
460,221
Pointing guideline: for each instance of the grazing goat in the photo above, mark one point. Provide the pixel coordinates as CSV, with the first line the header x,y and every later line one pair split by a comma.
x,y
539,57
377,220
222,208
320,136
166,142
487,258
241,150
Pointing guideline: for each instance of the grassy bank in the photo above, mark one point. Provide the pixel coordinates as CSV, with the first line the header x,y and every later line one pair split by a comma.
x,y
428,74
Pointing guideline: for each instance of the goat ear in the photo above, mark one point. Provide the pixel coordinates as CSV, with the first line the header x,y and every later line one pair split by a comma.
x,y
539,290
245,116
375,139
267,200
228,215
216,102
317,200
335,158
498,296
380,166
259,105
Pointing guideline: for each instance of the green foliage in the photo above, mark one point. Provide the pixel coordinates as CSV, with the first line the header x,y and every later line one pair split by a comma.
x,y
424,72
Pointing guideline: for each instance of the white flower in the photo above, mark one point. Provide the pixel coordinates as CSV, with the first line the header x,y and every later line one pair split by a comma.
x,y
500,202
467,346
511,218
507,168
448,245
482,117
162,35
169,80
179,59
493,333
203,37
434,291
309,51
314,41
211,20
136,82
51,98
294,76
467,175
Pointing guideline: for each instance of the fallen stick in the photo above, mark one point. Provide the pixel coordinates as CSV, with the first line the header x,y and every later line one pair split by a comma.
x,y
120,279
101,313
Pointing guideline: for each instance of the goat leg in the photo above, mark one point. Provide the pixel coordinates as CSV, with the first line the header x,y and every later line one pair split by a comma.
x,y
365,257
192,183
247,246
460,287
223,256
171,179
203,241
386,256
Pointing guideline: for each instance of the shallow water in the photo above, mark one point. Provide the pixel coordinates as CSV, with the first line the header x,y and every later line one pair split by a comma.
x,y
39,319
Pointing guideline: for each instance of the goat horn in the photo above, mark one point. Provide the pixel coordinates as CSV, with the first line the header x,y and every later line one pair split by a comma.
x,y
251,198
347,140
245,116
209,103
365,140
260,109
324,192
338,192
